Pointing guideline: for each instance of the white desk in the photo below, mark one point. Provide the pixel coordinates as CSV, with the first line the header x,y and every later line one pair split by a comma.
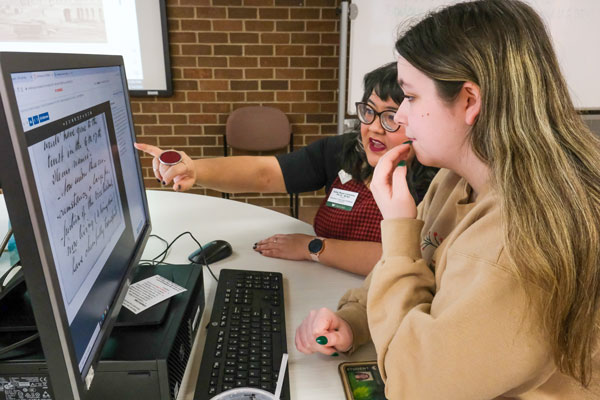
x,y
307,285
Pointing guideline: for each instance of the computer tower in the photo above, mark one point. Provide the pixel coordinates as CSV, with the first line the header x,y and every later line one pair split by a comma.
x,y
144,358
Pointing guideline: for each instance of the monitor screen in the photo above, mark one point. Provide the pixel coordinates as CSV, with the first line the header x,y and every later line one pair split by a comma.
x,y
81,205
136,30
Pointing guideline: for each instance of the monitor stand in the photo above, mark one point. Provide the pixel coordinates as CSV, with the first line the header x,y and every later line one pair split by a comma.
x,y
17,314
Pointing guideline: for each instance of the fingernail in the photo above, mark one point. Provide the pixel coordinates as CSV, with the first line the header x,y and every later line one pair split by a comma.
x,y
334,355
260,252
157,180
402,163
164,183
178,188
407,142
322,340
254,247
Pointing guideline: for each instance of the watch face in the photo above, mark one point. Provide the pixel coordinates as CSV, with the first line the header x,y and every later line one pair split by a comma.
x,y
315,246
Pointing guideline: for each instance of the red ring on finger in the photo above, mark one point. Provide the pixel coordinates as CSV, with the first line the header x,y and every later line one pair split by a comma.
x,y
170,157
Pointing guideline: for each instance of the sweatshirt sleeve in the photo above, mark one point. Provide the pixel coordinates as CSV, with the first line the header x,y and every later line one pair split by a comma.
x,y
471,341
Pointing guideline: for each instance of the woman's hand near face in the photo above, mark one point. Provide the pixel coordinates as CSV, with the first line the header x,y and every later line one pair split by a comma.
x,y
389,186
324,332
286,246
181,175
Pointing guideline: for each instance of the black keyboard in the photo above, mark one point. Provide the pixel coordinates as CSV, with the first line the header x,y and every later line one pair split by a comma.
x,y
245,338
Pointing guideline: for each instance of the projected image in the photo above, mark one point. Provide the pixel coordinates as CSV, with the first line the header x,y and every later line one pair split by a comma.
x,y
80,21
77,185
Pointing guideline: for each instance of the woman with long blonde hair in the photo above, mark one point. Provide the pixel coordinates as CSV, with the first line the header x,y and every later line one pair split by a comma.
x,y
490,289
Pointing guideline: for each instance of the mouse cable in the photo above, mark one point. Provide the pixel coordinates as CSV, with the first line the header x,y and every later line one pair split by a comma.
x,y
163,254
18,344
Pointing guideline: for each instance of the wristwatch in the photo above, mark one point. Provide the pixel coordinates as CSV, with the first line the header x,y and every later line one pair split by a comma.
x,y
316,247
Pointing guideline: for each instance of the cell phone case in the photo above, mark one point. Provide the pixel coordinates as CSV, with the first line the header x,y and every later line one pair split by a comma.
x,y
370,386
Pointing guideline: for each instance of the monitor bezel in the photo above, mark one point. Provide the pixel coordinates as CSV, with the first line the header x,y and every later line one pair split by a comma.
x,y
24,210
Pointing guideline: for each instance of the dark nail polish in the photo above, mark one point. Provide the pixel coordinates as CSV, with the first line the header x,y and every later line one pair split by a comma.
x,y
164,183
402,163
322,340
260,252
178,188
254,247
157,180
334,355
407,142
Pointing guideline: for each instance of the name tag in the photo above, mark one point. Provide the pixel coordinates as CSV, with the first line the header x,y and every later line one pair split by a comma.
x,y
342,199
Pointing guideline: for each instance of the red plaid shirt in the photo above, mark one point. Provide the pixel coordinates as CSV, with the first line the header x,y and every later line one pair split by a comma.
x,y
361,223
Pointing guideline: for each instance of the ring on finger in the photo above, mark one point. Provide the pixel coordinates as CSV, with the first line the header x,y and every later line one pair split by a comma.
x,y
170,157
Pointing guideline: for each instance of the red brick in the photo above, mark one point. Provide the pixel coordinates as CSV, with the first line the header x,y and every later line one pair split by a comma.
x,y
289,73
211,37
319,118
319,73
321,26
228,50
170,119
211,12
258,2
329,13
289,50
328,85
144,119
186,107
197,73
274,13
304,85
319,96
195,25
156,107
187,129
243,62
229,73
305,38
307,129
214,85
212,61
214,130
274,85
320,3
290,96
244,85
275,38
258,73
182,37
274,62
181,12
157,130
292,3
183,61
260,96
201,119
330,62
196,49
259,26
172,141
329,108
330,38
231,96
241,13
195,2
203,140
258,50
306,13
304,62
243,37
319,50
305,107
290,26
227,2
201,96
227,25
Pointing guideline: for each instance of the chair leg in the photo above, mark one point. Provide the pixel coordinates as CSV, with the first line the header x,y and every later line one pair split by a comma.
x,y
294,205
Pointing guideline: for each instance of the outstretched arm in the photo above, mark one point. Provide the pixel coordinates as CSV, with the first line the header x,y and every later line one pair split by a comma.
x,y
225,174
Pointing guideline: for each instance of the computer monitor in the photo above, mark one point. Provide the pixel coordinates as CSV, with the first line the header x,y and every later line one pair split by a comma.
x,y
75,197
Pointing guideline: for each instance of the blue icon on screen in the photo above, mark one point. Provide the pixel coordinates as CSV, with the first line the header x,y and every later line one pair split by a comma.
x,y
30,121
44,117
36,120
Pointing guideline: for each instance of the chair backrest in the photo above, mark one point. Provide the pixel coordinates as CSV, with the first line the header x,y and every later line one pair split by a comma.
x,y
258,128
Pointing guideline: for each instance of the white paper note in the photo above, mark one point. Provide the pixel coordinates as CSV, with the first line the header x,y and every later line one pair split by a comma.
x,y
148,292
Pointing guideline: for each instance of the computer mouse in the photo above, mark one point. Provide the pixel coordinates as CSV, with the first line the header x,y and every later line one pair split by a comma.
x,y
211,252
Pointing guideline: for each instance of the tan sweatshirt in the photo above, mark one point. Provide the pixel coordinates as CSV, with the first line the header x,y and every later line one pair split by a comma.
x,y
447,317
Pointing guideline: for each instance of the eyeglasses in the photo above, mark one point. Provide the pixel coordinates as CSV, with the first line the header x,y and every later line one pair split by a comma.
x,y
366,115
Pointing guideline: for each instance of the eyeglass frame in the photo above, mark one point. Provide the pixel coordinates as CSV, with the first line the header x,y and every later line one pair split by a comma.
x,y
377,114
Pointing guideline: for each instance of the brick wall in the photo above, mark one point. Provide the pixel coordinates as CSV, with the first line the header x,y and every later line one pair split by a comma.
x,y
227,54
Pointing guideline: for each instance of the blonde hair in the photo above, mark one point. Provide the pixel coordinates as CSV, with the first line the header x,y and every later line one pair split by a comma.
x,y
542,157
